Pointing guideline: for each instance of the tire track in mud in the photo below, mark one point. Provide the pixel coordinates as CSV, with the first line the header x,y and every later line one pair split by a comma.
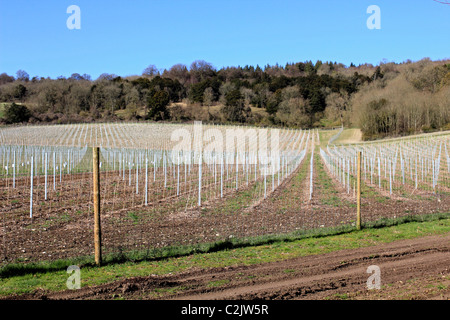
x,y
320,276
309,277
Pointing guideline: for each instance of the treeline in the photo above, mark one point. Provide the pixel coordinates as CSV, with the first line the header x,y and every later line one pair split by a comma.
x,y
407,99
293,95
302,95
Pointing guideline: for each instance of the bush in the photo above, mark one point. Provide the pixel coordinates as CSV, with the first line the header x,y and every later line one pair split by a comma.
x,y
15,113
426,129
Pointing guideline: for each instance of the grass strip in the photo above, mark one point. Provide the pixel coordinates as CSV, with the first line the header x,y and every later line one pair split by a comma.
x,y
25,278
184,250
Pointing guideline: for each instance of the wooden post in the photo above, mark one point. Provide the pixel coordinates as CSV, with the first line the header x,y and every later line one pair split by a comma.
x,y
97,229
358,193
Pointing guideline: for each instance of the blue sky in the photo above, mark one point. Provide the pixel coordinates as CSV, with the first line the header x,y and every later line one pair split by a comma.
x,y
124,37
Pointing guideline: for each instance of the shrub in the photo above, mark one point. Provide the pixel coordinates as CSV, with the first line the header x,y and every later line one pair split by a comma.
x,y
15,113
426,129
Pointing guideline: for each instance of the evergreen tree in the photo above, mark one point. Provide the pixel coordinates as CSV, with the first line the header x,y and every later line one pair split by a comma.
x,y
15,113
157,104
234,106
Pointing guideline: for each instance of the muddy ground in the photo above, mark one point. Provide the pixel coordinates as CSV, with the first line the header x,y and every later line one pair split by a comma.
x,y
409,269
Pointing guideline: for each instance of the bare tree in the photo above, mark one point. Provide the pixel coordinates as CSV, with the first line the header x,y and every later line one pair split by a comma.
x,y
22,75
150,71
5,78
200,70
179,72
208,96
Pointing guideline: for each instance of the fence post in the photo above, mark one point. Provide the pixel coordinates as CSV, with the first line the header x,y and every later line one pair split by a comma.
x,y
97,229
358,193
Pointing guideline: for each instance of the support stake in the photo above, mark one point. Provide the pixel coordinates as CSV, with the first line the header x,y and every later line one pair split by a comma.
x,y
358,193
97,228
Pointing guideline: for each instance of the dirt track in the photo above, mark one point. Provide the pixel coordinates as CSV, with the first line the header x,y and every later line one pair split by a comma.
x,y
410,269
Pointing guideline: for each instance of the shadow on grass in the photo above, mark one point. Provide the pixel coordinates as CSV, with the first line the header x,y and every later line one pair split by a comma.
x,y
18,269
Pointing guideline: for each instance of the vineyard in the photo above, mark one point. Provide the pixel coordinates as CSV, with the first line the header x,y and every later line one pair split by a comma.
x,y
171,184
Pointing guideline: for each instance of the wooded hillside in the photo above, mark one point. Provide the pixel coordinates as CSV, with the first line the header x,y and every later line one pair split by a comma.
x,y
385,100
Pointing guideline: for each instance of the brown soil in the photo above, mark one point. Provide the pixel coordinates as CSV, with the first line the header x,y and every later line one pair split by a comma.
x,y
409,269
62,227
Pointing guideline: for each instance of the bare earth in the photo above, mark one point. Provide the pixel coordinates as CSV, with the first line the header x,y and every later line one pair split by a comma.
x,y
409,269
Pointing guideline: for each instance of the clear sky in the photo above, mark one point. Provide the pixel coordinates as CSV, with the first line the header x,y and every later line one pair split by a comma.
x,y
124,37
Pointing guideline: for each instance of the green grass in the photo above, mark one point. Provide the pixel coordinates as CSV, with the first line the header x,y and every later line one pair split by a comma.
x,y
218,283
325,136
343,296
2,109
327,190
133,216
349,136
24,278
